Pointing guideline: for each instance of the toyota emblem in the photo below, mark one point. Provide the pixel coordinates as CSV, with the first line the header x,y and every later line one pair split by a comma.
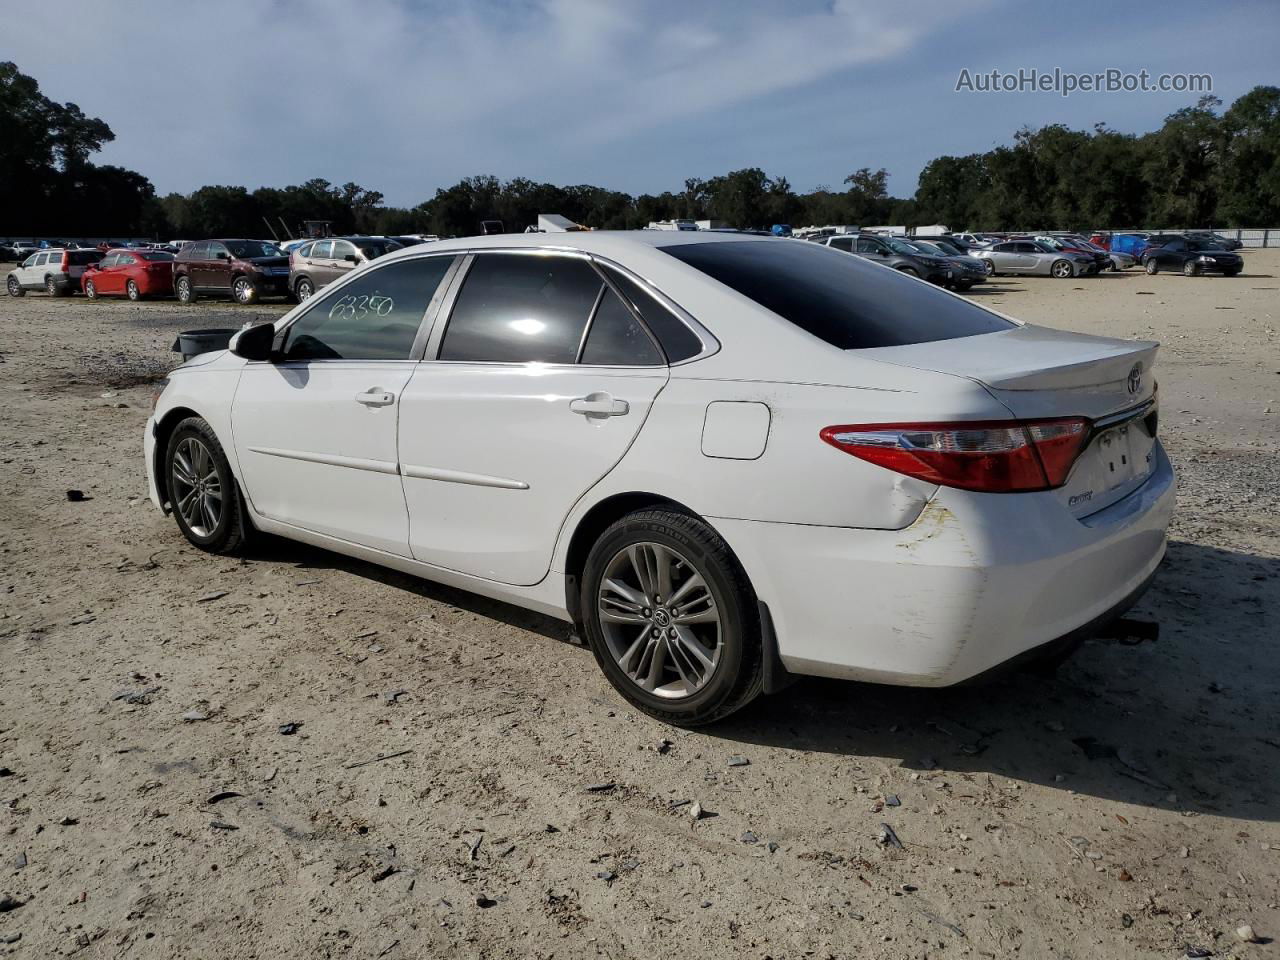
x,y
1134,382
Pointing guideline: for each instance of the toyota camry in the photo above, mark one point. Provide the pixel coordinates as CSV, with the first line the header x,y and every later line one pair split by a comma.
x,y
728,459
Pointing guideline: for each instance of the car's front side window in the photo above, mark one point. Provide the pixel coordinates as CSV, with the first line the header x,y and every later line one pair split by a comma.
x,y
522,308
343,249
375,317
29,262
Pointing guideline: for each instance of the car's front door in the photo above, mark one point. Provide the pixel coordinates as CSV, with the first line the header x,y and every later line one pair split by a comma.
x,y
345,259
541,378
217,268
106,276
315,430
1172,254
29,274
320,263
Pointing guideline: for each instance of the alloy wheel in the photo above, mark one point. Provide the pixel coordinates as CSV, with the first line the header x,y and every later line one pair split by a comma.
x,y
197,491
131,289
304,291
1062,269
49,287
14,287
90,290
659,619
243,290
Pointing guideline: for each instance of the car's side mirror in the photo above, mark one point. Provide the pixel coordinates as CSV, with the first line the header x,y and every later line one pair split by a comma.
x,y
351,258
223,255
254,343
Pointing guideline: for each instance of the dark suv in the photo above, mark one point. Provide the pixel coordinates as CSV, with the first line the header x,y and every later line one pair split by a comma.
x,y
894,253
245,270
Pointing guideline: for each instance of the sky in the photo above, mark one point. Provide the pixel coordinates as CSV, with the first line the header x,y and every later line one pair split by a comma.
x,y
404,96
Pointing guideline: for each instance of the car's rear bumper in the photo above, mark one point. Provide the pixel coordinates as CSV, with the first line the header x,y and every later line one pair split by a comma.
x,y
976,580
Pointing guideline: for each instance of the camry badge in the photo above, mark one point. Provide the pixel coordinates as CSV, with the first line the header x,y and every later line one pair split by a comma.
x,y
1134,382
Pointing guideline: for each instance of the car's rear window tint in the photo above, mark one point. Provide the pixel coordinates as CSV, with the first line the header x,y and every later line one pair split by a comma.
x,y
846,301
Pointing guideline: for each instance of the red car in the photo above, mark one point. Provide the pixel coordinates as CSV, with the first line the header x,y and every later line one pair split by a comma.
x,y
131,273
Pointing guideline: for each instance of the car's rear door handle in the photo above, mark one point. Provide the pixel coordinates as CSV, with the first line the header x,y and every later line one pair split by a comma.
x,y
376,397
599,405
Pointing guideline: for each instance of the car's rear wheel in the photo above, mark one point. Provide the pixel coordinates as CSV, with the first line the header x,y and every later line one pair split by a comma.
x,y
1060,269
183,290
1152,268
244,290
1190,268
671,618
131,291
202,490
15,288
304,290
50,287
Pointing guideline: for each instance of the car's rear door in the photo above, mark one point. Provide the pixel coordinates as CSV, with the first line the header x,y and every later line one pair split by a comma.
x,y
534,388
315,431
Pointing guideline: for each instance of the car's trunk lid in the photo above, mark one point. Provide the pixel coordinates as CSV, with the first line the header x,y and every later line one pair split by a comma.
x,y
1040,373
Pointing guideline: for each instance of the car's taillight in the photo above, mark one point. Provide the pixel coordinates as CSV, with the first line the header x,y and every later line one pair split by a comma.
x,y
993,456
65,267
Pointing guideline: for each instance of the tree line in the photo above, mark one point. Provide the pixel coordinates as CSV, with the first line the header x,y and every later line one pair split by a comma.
x,y
1205,166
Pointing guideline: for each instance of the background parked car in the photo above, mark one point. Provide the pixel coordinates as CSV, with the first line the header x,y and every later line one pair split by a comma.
x,y
320,262
892,253
1100,259
967,270
130,273
245,270
1032,258
1192,256
1225,243
55,271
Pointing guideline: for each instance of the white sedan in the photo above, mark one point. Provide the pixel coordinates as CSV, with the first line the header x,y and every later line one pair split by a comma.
x,y
729,459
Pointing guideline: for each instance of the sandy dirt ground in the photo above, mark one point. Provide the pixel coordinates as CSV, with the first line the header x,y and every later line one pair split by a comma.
x,y
1128,807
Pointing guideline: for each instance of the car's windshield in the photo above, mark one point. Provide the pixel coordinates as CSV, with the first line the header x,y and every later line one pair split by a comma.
x,y
1051,243
248,249
949,249
376,248
901,246
845,301
1205,245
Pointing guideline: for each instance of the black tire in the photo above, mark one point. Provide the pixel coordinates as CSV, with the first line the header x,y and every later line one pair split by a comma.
x,y
1231,273
131,291
962,285
990,267
15,288
1190,269
1152,268
50,287
910,272
1061,269
233,529
737,676
244,291
183,289
304,289
91,290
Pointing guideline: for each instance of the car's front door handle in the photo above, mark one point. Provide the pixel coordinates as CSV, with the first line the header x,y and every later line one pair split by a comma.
x,y
595,405
376,397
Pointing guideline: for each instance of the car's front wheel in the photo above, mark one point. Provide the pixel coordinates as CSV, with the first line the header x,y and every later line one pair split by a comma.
x,y
1061,269
244,290
202,490
183,290
15,288
132,292
1152,268
1190,268
671,618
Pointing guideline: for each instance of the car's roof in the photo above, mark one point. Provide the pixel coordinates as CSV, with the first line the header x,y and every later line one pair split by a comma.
x,y
603,242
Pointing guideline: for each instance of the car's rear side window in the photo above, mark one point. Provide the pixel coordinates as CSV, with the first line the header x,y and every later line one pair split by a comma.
x,y
521,308
845,301
678,341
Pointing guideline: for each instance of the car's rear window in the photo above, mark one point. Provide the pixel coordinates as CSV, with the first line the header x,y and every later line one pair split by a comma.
x,y
82,257
847,301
